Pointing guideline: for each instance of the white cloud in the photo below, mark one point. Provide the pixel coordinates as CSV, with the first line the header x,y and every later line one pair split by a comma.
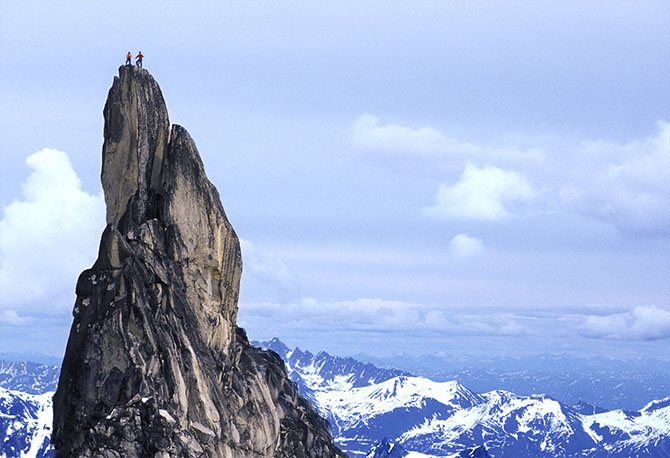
x,y
463,246
48,237
482,193
373,315
629,184
625,184
642,323
368,133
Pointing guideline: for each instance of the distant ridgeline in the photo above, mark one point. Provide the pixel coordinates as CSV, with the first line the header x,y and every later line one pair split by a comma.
x,y
381,413
607,383
366,405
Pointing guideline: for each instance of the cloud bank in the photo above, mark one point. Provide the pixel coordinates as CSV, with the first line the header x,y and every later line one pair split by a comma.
x,y
47,238
375,315
641,323
400,318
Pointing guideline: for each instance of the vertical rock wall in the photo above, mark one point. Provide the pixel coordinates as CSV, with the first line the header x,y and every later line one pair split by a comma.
x,y
155,365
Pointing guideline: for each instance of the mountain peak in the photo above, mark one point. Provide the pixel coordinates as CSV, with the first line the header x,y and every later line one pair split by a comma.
x,y
155,364
386,449
152,174
277,346
136,134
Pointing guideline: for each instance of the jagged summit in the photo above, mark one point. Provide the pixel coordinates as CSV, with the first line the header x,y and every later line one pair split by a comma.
x,y
151,172
385,449
136,135
155,365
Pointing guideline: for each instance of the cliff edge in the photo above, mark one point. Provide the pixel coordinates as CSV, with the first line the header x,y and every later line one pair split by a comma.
x,y
155,365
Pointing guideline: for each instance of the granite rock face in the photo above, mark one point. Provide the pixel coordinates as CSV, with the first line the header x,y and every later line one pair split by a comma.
x,y
155,365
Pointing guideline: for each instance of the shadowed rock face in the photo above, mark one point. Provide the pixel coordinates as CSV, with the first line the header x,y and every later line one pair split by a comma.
x,y
155,365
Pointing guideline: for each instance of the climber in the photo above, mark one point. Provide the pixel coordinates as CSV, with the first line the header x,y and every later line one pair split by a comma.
x,y
129,56
138,59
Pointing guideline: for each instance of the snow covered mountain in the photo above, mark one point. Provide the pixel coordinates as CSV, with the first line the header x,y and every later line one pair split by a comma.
x,y
385,449
28,377
420,418
324,370
25,424
26,389
621,432
605,382
365,405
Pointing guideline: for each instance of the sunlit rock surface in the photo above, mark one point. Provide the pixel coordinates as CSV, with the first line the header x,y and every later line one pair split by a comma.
x,y
155,365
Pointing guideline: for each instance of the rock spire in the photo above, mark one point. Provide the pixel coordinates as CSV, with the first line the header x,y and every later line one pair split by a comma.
x,y
155,365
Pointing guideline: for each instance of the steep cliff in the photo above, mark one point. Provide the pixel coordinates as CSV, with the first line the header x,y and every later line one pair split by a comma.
x,y
155,365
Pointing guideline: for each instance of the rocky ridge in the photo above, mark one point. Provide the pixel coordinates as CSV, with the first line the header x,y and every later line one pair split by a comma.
x,y
155,365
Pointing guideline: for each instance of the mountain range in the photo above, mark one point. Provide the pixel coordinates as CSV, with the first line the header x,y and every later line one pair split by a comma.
x,y
366,405
382,412
609,383
26,408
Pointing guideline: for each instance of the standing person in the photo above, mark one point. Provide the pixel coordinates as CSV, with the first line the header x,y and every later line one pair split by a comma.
x,y
138,59
129,56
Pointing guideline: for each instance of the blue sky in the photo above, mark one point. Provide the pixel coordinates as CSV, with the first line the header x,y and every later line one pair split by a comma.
x,y
409,177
